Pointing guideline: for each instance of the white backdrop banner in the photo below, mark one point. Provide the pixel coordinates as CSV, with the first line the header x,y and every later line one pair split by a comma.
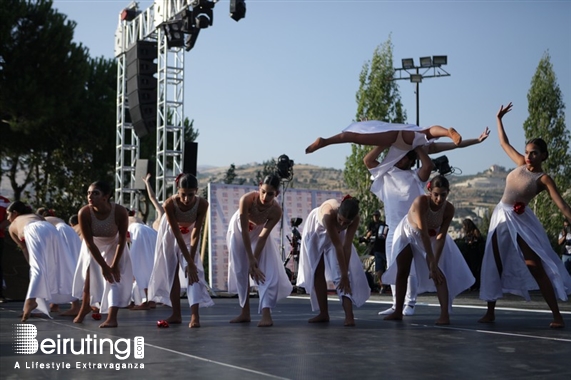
x,y
225,200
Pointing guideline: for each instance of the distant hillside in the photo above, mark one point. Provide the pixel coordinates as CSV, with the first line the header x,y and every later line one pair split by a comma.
x,y
304,176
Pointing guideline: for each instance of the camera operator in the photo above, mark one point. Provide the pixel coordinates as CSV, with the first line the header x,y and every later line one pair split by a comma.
x,y
565,241
376,236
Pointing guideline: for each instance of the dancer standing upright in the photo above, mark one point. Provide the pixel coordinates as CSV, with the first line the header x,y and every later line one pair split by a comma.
x,y
518,256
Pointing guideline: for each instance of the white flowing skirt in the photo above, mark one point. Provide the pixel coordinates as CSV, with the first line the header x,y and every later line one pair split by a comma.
x,y
44,244
169,262
515,277
143,244
277,284
316,243
452,264
67,261
102,293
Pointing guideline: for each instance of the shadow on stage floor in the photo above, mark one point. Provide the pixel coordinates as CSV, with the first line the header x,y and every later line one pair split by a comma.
x,y
519,345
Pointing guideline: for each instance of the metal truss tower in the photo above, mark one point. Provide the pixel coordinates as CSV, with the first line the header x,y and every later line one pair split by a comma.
x,y
146,25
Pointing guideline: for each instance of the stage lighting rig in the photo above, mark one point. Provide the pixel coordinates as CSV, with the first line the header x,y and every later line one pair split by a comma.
x,y
284,168
441,165
237,9
202,14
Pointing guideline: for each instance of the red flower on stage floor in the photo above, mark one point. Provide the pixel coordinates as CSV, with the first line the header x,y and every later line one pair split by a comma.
x,y
162,324
519,208
96,316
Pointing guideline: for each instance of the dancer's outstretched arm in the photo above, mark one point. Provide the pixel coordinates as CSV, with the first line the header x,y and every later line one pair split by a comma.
x,y
442,147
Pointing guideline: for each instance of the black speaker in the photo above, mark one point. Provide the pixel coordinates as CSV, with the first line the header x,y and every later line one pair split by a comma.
x,y
190,158
142,86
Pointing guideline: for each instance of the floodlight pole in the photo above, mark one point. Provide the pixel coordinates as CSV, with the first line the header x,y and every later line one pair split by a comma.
x,y
430,71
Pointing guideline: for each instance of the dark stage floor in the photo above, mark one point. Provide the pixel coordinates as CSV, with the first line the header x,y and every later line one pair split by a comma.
x,y
519,345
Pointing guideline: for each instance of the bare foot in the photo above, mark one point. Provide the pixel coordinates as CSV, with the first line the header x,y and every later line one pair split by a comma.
x,y
266,322
455,136
349,322
194,321
320,318
393,317
29,305
174,320
54,308
108,324
316,145
152,304
442,321
241,319
557,325
143,306
81,315
487,318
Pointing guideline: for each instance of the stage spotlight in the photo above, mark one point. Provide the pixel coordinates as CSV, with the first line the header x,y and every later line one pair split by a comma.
x,y
441,165
191,39
173,31
203,14
237,9
284,167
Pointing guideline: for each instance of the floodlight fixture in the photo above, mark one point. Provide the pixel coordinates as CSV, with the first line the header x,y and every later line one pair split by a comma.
x,y
237,9
284,168
408,63
191,39
203,13
425,61
416,78
439,60
174,33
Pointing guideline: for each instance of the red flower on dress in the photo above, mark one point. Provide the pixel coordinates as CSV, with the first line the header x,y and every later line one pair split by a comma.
x,y
251,226
519,208
184,230
431,232
162,324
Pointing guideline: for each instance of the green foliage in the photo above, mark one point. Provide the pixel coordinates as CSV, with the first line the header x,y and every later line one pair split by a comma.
x,y
547,120
378,98
57,106
230,174
269,168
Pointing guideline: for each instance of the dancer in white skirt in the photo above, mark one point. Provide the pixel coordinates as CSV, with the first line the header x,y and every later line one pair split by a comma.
x,y
40,243
421,238
143,243
67,261
385,135
518,255
177,246
328,254
253,253
104,276
397,186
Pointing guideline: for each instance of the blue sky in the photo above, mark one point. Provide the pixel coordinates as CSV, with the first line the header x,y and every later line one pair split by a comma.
x,y
288,72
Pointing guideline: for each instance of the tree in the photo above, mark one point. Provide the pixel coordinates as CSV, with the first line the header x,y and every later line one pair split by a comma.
x,y
547,120
269,168
230,174
57,107
378,98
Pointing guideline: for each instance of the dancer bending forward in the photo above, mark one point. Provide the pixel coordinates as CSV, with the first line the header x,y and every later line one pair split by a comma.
x,y
422,235
327,253
177,245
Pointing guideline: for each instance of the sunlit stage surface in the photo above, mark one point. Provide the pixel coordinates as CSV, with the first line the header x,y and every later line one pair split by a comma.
x,y
519,345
